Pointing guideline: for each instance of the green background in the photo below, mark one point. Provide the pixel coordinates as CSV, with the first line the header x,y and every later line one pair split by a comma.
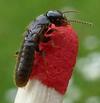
x,y
15,15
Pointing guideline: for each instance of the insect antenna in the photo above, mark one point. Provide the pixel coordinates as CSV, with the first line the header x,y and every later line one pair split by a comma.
x,y
81,22
69,11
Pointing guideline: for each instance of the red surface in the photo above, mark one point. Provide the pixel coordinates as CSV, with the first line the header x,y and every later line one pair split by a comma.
x,y
54,69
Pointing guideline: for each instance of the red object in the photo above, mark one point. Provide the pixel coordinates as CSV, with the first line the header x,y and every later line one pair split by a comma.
x,y
54,69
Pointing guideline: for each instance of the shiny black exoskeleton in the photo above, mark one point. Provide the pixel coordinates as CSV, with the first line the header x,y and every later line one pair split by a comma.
x,y
56,17
33,36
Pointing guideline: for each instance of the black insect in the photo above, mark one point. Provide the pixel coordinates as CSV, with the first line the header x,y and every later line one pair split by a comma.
x,y
33,36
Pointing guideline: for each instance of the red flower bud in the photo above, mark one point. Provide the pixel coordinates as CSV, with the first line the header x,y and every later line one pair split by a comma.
x,y
54,68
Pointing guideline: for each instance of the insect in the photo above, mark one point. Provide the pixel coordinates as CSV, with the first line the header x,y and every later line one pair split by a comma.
x,y
33,36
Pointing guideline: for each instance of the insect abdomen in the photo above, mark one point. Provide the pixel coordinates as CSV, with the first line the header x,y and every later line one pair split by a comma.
x,y
24,65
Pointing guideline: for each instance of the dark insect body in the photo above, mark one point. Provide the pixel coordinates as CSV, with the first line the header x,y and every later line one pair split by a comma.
x,y
33,36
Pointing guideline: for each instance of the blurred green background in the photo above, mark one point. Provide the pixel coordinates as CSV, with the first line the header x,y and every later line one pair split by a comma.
x,y
15,15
